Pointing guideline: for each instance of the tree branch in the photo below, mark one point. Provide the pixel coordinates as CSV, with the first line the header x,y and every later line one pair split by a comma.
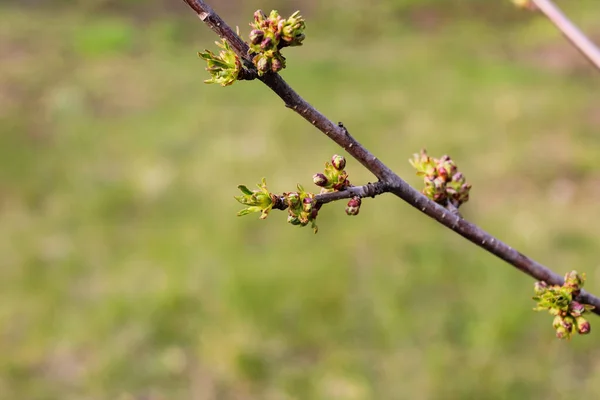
x,y
396,185
571,32
368,190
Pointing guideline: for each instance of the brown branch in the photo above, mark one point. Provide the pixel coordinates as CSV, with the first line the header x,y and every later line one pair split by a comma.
x,y
396,185
571,32
368,190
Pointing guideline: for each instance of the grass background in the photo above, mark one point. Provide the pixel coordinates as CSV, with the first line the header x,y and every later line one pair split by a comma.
x,y
125,274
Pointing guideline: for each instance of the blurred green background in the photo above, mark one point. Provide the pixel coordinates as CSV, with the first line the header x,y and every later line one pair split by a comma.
x,y
125,273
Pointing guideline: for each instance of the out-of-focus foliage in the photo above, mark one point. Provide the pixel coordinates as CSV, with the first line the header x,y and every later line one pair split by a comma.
x,y
125,273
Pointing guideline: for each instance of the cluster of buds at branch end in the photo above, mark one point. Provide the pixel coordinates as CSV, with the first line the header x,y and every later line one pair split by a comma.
x,y
444,184
301,205
334,177
559,301
224,68
526,4
302,208
272,33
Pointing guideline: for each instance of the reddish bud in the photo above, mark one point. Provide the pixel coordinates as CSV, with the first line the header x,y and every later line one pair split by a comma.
x,y
338,162
320,180
353,206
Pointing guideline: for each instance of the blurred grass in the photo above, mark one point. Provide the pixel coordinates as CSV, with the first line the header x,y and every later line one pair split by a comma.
x,y
126,275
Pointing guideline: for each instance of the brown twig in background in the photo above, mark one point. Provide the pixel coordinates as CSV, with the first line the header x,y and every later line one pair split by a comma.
x,y
396,185
571,32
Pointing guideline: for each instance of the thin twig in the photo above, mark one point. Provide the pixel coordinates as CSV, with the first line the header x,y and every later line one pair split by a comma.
x,y
339,134
571,32
368,190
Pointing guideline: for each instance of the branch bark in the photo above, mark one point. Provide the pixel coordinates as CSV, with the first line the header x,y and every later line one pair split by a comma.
x,y
396,185
569,30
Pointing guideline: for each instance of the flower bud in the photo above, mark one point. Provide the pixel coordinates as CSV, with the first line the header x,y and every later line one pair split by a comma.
x,y
442,172
276,65
567,323
266,43
557,322
293,219
458,177
263,64
338,162
320,180
576,309
307,204
256,36
574,280
540,287
583,326
293,199
353,206
259,16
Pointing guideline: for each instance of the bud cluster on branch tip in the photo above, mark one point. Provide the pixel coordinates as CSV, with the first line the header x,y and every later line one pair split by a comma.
x,y
301,205
333,177
560,302
272,33
223,68
302,208
444,184
527,4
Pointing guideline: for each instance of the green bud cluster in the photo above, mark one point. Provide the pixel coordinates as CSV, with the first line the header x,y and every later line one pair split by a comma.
x,y
527,4
272,33
223,68
444,184
559,301
334,177
260,200
302,208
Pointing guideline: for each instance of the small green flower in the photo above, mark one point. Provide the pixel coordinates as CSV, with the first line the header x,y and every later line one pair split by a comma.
x,y
260,200
225,67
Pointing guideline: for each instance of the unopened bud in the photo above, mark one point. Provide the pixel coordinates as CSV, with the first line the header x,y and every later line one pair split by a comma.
x,y
338,162
353,206
307,204
276,65
576,309
256,36
263,64
293,199
293,219
266,43
574,280
583,325
540,287
320,180
259,16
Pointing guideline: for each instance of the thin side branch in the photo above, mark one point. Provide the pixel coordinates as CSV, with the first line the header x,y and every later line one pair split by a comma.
x,y
368,190
571,32
339,134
